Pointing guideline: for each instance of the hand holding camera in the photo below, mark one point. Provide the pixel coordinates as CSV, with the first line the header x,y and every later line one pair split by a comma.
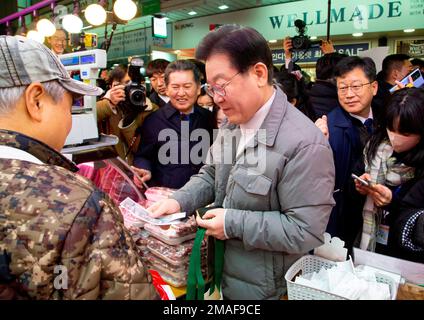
x,y
115,95
287,46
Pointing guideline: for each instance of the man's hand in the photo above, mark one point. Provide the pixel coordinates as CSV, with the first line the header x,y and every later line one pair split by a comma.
x,y
167,206
213,222
321,123
400,85
287,46
327,47
115,94
145,175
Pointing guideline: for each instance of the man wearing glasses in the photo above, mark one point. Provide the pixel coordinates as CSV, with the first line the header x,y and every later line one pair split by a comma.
x,y
348,129
58,42
274,185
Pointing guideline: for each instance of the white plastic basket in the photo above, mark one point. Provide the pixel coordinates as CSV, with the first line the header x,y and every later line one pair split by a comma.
x,y
309,264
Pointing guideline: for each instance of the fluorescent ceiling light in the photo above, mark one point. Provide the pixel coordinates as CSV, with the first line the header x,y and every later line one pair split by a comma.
x,y
357,34
223,7
314,37
409,30
272,41
192,13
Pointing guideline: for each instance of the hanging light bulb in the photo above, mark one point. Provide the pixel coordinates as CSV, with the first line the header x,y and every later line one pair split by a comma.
x,y
72,22
95,14
125,9
35,35
46,27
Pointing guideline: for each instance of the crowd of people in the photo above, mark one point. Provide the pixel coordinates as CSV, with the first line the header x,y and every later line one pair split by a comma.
x,y
277,173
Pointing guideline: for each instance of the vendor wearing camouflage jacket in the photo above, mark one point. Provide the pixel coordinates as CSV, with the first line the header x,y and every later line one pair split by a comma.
x,y
60,237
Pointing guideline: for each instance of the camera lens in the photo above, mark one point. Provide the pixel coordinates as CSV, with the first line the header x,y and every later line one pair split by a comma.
x,y
137,97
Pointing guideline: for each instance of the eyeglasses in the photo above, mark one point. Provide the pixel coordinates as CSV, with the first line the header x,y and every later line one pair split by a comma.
x,y
219,90
58,40
356,88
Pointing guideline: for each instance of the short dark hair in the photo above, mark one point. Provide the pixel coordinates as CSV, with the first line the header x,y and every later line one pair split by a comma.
x,y
326,65
156,66
117,74
244,47
391,62
182,65
348,64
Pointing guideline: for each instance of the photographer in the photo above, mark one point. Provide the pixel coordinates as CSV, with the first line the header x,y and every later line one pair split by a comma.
x,y
118,116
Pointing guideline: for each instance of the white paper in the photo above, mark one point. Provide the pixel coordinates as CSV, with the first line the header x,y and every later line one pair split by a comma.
x,y
377,54
138,211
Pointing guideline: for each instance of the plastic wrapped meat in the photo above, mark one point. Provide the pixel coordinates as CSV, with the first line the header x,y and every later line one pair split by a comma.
x,y
175,255
174,234
155,194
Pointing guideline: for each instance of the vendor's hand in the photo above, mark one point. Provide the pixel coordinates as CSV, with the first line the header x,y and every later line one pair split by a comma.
x,y
145,175
288,46
213,222
167,206
321,123
327,47
381,195
364,190
115,94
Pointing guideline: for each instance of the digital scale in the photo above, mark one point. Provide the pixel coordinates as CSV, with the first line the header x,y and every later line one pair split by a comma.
x,y
84,66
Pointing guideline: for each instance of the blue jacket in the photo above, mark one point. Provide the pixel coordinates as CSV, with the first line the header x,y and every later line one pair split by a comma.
x,y
176,172
346,216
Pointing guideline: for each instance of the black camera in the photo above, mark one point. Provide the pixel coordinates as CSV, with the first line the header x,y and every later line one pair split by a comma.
x,y
135,92
302,41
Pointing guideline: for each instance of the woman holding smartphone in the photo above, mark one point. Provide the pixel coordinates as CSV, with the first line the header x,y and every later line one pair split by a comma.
x,y
394,160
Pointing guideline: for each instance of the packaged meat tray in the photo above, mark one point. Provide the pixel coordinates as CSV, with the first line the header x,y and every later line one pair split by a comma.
x,y
176,282
174,234
175,255
179,272
155,194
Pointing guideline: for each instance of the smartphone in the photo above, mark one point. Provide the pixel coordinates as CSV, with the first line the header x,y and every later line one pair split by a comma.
x,y
417,78
362,181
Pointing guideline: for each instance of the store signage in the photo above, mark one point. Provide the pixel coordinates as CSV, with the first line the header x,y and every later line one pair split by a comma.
x,y
313,54
346,17
359,14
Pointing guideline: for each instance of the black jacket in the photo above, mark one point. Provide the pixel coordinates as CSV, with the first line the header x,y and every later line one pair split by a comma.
x,y
408,201
323,97
177,146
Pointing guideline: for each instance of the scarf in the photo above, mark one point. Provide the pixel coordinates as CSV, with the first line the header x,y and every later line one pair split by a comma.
x,y
386,170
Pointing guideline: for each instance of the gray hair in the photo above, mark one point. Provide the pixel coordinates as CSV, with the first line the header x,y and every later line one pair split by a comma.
x,y
9,97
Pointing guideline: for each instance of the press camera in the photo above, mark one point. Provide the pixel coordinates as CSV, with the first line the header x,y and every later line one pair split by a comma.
x,y
302,41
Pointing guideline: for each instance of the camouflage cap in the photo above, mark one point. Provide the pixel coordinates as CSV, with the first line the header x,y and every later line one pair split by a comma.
x,y
24,61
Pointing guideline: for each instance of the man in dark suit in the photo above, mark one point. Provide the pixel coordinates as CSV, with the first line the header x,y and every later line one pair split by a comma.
x,y
348,128
175,139
156,73
394,68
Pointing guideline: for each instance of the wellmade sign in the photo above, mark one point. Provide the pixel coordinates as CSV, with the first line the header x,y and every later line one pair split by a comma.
x,y
277,21
357,14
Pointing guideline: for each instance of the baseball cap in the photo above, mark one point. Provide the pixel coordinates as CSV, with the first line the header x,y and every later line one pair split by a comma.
x,y
24,61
